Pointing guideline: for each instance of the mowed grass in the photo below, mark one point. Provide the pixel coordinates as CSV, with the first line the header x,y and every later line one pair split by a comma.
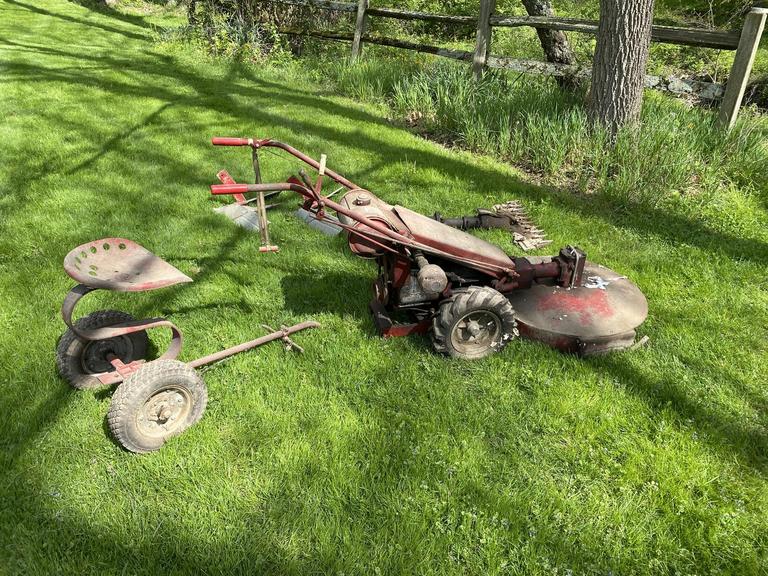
x,y
362,456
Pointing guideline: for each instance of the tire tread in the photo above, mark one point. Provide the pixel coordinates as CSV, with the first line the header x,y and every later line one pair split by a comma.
x,y
132,393
464,301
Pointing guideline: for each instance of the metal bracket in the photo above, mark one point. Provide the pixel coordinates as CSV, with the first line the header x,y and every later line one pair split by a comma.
x,y
70,302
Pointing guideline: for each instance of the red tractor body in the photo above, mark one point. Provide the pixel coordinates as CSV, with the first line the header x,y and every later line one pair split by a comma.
x,y
470,295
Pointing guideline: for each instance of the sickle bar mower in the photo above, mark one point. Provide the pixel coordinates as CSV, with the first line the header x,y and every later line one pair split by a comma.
x,y
468,294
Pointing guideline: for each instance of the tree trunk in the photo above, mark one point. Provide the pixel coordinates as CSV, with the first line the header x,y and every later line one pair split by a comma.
x,y
553,42
621,55
192,12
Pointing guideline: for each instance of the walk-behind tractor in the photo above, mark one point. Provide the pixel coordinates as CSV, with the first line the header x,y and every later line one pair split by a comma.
x,y
155,399
468,294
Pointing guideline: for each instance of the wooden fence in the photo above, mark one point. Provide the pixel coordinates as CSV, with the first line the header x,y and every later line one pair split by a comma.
x,y
744,42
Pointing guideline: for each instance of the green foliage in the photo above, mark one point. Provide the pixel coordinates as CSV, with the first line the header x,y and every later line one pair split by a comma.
x,y
532,123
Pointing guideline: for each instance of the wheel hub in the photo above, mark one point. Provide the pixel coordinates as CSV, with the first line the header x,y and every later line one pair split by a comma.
x,y
474,328
98,353
164,411
477,330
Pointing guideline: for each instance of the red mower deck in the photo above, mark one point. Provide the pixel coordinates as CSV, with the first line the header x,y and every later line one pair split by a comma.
x,y
598,316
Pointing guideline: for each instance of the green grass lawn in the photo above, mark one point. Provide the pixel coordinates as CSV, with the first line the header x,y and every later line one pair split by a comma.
x,y
362,456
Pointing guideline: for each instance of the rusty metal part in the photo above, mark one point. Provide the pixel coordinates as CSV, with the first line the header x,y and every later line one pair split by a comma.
x,y
431,278
288,344
115,262
405,243
261,207
582,320
388,328
225,178
165,411
510,216
374,230
120,264
116,331
281,334
476,329
242,214
268,142
449,240
327,226
174,348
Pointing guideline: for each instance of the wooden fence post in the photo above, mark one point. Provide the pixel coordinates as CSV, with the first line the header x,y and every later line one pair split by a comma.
x,y
742,66
357,40
484,32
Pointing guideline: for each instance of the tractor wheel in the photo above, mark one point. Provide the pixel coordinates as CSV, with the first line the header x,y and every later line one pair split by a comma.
x,y
473,323
158,401
78,360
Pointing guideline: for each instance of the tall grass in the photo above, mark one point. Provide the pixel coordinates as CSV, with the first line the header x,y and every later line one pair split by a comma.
x,y
532,123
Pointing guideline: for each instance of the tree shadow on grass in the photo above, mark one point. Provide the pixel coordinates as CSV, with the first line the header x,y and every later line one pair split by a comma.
x,y
172,548
230,96
336,293
137,21
105,9
213,92
727,434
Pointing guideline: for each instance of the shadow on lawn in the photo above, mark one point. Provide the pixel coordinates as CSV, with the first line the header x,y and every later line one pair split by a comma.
x,y
726,433
337,293
174,550
230,96
134,20
105,9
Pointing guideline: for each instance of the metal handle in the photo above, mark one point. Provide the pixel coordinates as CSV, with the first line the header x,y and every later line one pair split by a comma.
x,y
229,188
222,141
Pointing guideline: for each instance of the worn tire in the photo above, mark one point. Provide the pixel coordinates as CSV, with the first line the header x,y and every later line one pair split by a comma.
x,y
137,416
493,318
74,356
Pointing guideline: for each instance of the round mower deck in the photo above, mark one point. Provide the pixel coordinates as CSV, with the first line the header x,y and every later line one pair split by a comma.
x,y
597,317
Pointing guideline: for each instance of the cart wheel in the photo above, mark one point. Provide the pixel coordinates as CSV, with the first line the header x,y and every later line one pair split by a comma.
x,y
160,400
474,323
78,360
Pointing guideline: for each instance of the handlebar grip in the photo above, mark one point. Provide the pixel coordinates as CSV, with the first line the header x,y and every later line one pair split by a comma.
x,y
219,141
229,188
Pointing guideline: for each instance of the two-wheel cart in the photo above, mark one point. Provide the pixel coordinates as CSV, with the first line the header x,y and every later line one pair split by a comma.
x,y
155,399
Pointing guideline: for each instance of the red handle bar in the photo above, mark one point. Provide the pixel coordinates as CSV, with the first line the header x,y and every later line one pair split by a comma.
x,y
229,188
219,141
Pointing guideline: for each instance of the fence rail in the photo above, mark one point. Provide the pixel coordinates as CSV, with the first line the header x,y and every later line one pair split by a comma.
x,y
744,42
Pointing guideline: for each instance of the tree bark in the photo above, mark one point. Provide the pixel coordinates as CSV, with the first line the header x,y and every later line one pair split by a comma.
x,y
553,42
192,12
621,56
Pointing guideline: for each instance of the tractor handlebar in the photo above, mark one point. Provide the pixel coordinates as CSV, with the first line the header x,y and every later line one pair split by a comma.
x,y
220,141
229,188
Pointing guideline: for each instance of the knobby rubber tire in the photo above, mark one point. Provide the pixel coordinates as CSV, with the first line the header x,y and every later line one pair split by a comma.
x,y
466,301
70,349
150,379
